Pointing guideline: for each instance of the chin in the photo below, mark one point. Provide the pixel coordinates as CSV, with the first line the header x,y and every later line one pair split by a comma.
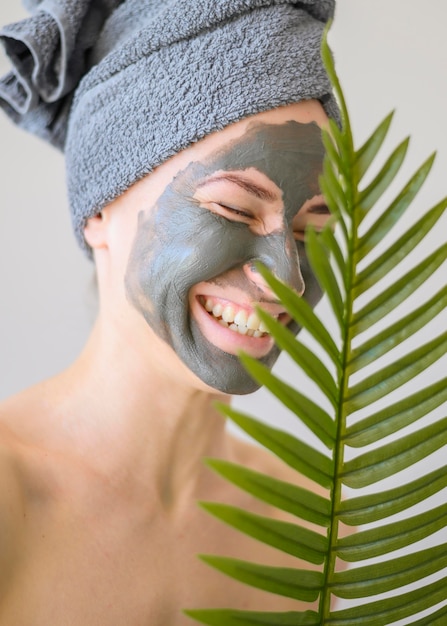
x,y
218,370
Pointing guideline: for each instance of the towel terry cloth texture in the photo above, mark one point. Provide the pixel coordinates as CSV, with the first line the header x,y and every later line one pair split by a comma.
x,y
121,86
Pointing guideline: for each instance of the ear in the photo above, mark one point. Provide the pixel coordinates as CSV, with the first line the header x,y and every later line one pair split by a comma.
x,y
95,231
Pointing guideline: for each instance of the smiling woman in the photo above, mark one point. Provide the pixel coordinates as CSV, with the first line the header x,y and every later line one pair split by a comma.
x,y
192,246
176,195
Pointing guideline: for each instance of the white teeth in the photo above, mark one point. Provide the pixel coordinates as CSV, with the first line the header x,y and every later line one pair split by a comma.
x,y
240,321
263,328
241,318
217,310
228,314
253,321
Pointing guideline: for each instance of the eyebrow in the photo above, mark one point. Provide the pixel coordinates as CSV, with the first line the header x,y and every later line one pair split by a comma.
x,y
247,185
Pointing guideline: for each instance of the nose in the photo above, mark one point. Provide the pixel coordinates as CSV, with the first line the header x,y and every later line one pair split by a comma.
x,y
278,252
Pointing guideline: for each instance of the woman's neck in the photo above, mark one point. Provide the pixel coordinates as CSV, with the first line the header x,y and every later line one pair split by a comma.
x,y
134,412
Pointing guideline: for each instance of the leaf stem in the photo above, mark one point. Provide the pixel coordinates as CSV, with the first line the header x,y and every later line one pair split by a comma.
x,y
350,192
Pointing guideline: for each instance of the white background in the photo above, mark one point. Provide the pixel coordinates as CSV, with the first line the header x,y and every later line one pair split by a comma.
x,y
389,54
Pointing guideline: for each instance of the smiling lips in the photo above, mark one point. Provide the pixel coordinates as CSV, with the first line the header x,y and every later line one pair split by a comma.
x,y
237,319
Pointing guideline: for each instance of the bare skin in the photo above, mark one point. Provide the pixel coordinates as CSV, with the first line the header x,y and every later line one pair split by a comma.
x,y
101,467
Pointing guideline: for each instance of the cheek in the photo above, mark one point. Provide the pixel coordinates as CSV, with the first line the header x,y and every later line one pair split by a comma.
x,y
210,246
173,251
140,267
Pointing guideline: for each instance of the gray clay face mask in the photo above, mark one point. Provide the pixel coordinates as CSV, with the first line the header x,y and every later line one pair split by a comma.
x,y
180,243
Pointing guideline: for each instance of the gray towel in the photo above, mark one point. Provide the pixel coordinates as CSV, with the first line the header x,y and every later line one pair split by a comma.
x,y
121,86
49,52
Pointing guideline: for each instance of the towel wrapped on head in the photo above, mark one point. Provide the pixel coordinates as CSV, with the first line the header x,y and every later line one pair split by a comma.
x,y
121,86
50,54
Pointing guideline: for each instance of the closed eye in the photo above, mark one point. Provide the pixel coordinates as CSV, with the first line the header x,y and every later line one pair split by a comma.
x,y
316,214
320,209
225,210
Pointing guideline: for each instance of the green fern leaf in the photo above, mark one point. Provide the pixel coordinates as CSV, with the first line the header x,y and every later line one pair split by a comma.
x,y
330,242
228,617
297,454
434,619
390,537
301,311
295,500
369,196
310,413
380,463
361,291
303,356
394,212
384,612
397,416
376,506
322,269
397,293
367,581
365,155
396,374
292,583
293,539
392,336
395,253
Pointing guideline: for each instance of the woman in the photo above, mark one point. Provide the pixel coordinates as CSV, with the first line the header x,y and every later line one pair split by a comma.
x,y
193,147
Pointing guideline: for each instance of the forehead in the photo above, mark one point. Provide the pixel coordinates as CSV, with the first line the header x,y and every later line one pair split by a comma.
x,y
270,147
289,154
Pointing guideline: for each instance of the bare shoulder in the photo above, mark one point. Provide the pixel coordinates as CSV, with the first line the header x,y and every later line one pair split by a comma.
x,y
13,412
28,418
20,417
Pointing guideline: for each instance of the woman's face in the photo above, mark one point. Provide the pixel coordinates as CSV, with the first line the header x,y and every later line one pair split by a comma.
x,y
245,196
